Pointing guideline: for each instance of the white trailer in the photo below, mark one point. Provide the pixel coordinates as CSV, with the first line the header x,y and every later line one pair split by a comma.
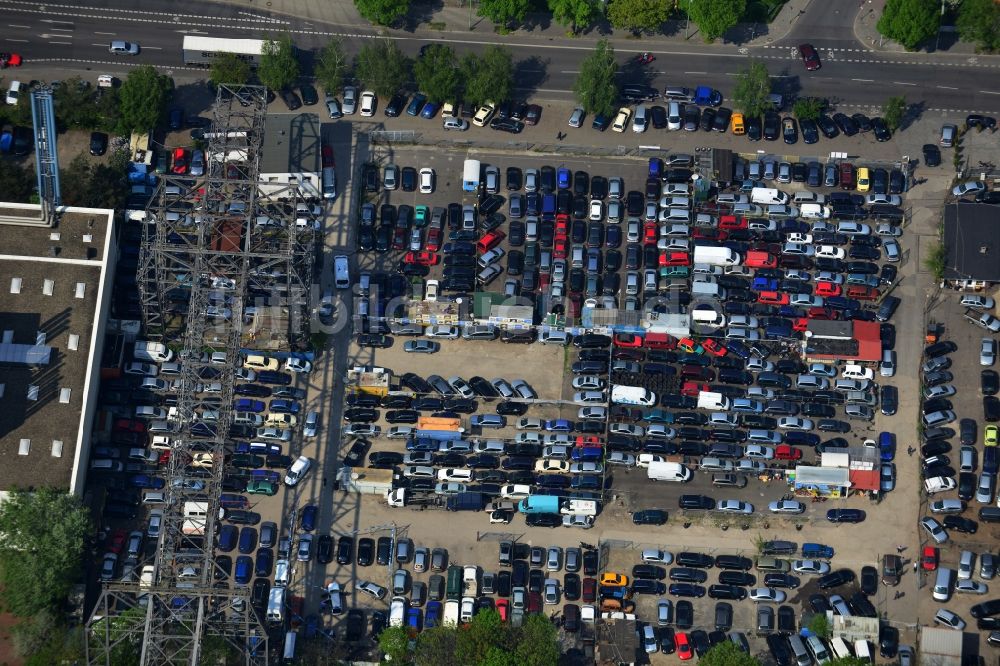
x,y
200,50
632,395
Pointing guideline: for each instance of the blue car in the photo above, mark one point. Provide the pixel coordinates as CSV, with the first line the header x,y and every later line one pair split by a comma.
x,y
764,284
244,569
430,110
414,620
586,453
146,481
559,425
432,616
264,562
551,481
416,104
422,444
309,513
248,540
816,551
282,406
586,482
249,405
887,446
227,538
564,178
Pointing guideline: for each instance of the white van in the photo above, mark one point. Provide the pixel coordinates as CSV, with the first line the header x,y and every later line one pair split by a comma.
x,y
554,337
276,605
154,497
812,211
144,350
862,650
839,648
329,183
943,584
768,196
341,272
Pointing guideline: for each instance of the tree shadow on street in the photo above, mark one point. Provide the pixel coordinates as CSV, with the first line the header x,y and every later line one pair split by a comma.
x,y
420,13
529,74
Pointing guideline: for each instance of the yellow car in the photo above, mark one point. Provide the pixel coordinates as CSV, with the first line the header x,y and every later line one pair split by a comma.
x,y
864,180
736,124
614,579
621,120
992,434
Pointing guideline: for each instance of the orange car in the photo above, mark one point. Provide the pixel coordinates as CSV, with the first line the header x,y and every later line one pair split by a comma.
x,y
690,346
614,579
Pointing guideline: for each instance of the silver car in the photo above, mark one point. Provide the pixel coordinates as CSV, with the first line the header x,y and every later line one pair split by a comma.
x,y
350,105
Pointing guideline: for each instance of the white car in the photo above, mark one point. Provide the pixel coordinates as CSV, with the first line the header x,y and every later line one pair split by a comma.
x,y
951,620
987,351
548,465
294,364
588,382
759,594
523,389
596,210
656,556
458,124
734,506
421,346
977,302
853,228
368,103
745,466
427,180
759,452
14,92
578,520
586,468
621,120
646,459
934,529
989,322
852,371
799,249
827,276
830,252
887,229
796,237
811,567
968,187
483,115
297,471
971,587
786,506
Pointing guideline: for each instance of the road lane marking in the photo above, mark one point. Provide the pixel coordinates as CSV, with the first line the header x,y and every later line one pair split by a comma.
x,y
989,92
864,80
105,33
9,39
947,87
66,43
696,72
152,48
26,27
903,83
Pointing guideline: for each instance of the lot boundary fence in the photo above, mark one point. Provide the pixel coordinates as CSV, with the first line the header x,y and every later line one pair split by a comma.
x,y
499,536
414,138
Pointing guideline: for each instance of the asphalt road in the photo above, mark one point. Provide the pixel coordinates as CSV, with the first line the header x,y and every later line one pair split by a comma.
x,y
850,76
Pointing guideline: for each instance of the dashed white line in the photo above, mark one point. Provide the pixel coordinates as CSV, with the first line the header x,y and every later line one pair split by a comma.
x,y
105,33
903,83
696,72
946,87
26,27
15,40
864,80
153,48
989,92
65,43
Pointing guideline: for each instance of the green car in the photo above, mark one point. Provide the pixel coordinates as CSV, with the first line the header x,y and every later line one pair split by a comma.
x,y
421,216
262,487
162,160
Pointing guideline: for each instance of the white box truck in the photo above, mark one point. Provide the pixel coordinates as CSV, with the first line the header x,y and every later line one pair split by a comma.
x,y
578,507
195,517
668,471
768,196
144,350
713,401
470,176
717,256
632,395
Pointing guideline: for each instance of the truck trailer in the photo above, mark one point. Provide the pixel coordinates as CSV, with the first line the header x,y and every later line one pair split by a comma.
x,y
203,51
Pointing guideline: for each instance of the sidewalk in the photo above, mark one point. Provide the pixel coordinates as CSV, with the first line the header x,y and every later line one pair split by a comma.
x,y
867,34
455,18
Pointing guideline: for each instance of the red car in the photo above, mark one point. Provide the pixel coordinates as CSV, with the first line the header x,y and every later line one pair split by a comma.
x,y
400,238
692,389
786,452
503,608
627,340
674,259
422,258
433,243
772,298
592,441
589,590
822,313
732,222
929,558
684,651
708,233
116,541
714,348
560,247
827,289
809,57
649,232
562,226
9,60
129,425
801,324
180,161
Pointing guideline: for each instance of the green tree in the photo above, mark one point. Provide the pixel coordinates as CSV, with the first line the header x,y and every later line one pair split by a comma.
x,y
142,98
595,87
229,68
819,625
331,66
126,628
382,66
808,108
485,632
278,68
16,182
75,105
108,105
715,17
504,12
849,661
43,535
436,647
910,22
382,12
62,645
638,16
394,642
727,654
436,73
574,14
753,85
536,642
490,76
979,22
893,111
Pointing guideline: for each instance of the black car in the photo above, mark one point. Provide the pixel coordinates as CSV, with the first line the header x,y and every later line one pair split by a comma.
x,y
324,549
835,579
932,155
686,590
985,609
782,580
991,409
777,644
361,415
989,382
890,400
683,614
845,124
508,408
772,126
345,550
649,517
658,116
98,143
696,502
515,179
366,552
728,591
699,641
845,515
810,132
960,524
543,520
686,575
869,580
753,127
395,106
383,551
881,130
291,100
740,578
827,126
888,641
699,560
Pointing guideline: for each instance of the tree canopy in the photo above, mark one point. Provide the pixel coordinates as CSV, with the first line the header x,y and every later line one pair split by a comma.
x,y
382,12
595,87
727,654
715,17
638,15
278,68
77,108
485,641
331,66
488,77
229,68
43,537
143,97
808,108
574,14
504,12
910,22
979,22
436,73
893,111
16,182
753,86
382,66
